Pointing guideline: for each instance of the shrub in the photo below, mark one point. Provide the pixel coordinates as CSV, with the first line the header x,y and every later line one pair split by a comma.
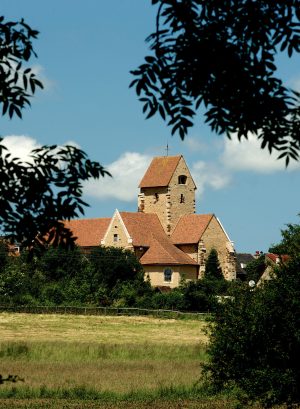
x,y
255,340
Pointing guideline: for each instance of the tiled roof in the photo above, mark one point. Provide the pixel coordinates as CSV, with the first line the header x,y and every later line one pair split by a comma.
x,y
140,226
146,230
277,258
89,232
190,228
160,171
163,252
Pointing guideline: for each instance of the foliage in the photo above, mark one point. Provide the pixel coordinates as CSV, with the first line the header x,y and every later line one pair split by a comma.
x,y
221,56
255,340
17,84
290,243
3,255
35,196
255,269
108,276
212,266
112,266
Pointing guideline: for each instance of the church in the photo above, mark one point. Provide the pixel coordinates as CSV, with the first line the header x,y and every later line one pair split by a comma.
x,y
170,240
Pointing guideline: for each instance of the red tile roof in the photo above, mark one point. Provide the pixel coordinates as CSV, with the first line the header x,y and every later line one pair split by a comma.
x,y
146,230
140,226
160,171
89,232
190,228
277,258
163,252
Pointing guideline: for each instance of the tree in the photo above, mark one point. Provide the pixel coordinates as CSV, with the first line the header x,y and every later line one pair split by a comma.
x,y
255,269
290,243
112,266
212,266
255,339
35,196
220,55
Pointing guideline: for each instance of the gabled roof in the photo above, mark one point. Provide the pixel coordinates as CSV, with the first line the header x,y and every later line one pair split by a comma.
x,y
146,230
160,171
140,226
89,232
190,228
163,252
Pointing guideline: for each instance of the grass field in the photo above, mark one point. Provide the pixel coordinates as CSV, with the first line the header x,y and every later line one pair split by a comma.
x,y
89,362
107,358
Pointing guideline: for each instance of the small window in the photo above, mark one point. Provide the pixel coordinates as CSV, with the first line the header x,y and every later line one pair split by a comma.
x,y
182,198
156,197
182,179
116,237
168,274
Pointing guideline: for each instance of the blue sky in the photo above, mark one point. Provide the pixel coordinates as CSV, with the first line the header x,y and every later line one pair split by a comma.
x,y
85,52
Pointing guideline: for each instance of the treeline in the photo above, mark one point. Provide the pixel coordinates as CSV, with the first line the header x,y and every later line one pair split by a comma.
x,y
105,277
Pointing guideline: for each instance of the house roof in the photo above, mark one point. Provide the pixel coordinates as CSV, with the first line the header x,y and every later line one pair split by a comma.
x,y
146,230
190,228
242,259
139,225
89,232
163,252
275,258
160,171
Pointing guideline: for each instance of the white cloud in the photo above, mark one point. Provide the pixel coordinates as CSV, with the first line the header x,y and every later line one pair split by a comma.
x,y
20,146
209,175
247,155
127,172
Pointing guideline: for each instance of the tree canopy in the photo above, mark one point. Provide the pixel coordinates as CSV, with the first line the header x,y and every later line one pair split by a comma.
x,y
37,195
220,56
255,339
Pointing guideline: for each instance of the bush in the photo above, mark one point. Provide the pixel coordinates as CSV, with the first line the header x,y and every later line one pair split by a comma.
x,y
255,340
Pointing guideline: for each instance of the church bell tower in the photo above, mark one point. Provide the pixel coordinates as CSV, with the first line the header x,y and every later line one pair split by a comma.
x,y
168,190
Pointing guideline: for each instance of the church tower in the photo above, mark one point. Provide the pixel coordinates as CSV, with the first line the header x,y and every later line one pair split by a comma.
x,y
168,190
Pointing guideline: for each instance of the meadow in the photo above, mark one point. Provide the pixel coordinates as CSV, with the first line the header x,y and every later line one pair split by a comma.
x,y
76,361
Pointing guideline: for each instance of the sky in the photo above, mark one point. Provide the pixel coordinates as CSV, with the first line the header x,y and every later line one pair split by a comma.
x,y
85,53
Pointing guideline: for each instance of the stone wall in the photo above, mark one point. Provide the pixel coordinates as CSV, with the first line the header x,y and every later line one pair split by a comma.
x,y
182,196
156,275
117,228
215,237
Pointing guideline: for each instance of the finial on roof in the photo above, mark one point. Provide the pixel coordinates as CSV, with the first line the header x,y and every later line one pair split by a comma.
x,y
167,149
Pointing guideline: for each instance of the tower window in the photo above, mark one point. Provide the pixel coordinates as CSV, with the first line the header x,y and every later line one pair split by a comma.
x,y
116,237
156,197
182,198
168,275
182,179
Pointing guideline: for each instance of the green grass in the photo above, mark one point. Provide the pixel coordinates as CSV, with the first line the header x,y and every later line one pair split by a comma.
x,y
104,362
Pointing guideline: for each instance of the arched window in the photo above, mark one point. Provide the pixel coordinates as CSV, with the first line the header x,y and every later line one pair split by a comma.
x,y
182,179
168,274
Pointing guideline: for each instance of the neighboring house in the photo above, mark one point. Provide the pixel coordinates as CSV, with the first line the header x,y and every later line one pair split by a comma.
x,y
169,239
272,261
242,259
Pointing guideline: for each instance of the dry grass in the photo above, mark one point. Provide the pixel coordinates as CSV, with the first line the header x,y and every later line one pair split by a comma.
x,y
156,404
80,328
116,354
